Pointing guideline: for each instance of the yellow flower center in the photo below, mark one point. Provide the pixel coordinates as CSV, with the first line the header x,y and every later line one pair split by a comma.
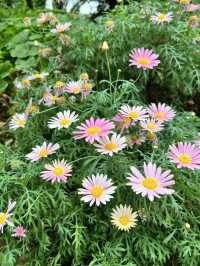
x,y
109,23
25,82
150,136
84,76
133,115
87,86
161,17
135,137
143,61
58,170
110,146
184,2
126,120
37,76
150,183
43,152
96,191
59,84
61,99
3,217
184,158
34,109
124,220
151,126
76,90
65,122
54,98
20,122
61,30
193,18
160,115
93,130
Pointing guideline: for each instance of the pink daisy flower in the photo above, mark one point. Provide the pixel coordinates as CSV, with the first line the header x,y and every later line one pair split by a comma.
x,y
161,112
192,7
73,87
58,171
110,145
63,120
18,121
19,231
61,28
151,125
143,58
161,18
97,189
121,121
185,155
93,129
134,113
153,183
42,151
5,216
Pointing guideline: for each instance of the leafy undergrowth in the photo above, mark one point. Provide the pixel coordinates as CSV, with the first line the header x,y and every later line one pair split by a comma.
x,y
61,229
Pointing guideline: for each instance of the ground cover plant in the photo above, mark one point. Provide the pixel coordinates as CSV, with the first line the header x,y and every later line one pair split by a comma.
x,y
100,156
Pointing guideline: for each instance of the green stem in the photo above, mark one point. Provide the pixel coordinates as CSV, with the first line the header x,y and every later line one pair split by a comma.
x,y
109,72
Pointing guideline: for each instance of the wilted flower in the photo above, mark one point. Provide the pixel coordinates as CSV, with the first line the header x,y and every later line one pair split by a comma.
x,y
58,171
63,120
93,129
19,231
38,76
84,77
185,155
5,216
64,39
61,28
45,52
123,217
110,145
18,121
86,88
192,7
161,18
27,21
193,21
109,24
96,189
104,46
46,18
59,84
151,136
143,58
42,151
135,139
154,182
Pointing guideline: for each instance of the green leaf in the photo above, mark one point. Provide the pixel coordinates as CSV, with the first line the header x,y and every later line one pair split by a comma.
x,y
5,69
3,85
26,64
21,37
24,50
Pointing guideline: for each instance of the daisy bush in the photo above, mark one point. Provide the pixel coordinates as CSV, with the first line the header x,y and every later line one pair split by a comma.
x,y
100,153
